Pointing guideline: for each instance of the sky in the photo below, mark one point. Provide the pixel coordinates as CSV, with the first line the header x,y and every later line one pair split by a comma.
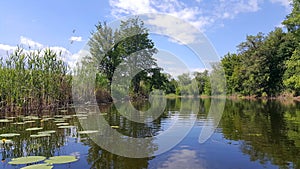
x,y
65,25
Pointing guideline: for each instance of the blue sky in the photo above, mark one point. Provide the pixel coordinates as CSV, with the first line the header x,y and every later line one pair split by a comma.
x,y
57,23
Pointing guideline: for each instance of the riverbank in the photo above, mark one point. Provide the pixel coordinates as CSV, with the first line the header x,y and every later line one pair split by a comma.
x,y
236,97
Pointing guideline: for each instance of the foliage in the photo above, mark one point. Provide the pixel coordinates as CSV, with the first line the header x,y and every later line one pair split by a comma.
x,y
33,80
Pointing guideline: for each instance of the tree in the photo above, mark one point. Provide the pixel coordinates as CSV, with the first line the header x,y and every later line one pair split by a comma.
x,y
104,49
202,78
292,21
292,73
128,51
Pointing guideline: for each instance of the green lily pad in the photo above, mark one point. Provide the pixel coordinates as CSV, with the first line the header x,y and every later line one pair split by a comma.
x,y
19,123
62,124
32,117
47,132
80,115
34,129
61,159
40,135
5,121
64,111
26,160
9,135
115,127
38,166
30,121
88,132
66,127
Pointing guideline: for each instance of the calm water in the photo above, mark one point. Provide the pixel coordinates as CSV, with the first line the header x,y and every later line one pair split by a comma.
x,y
251,134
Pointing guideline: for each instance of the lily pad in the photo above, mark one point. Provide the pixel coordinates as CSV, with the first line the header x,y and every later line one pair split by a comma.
x,y
40,135
80,115
62,124
47,132
19,123
32,117
66,127
61,159
5,121
38,166
82,118
30,121
34,129
26,160
9,135
88,132
59,121
115,127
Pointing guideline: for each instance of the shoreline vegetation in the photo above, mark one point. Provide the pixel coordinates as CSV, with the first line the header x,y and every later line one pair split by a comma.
x,y
37,81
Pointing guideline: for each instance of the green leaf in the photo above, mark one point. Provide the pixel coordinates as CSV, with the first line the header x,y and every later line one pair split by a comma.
x,y
61,159
9,135
26,160
34,129
88,132
38,166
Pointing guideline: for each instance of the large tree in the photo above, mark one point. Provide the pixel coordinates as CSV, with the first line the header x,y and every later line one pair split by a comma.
x,y
292,73
127,49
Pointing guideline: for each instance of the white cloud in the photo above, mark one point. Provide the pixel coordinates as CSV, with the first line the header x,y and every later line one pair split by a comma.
x,y
202,16
285,3
64,54
30,43
6,50
76,38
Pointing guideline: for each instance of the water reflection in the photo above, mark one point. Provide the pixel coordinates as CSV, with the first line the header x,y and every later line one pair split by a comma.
x,y
269,131
251,134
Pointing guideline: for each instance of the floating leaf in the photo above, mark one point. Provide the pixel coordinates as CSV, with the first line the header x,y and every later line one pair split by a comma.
x,y
88,132
38,166
66,127
59,121
61,159
47,132
9,135
31,121
32,117
80,115
5,121
62,124
40,135
34,129
19,123
26,160
115,127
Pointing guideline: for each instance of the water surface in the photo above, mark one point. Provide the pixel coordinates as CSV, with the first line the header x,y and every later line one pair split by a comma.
x,y
251,134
